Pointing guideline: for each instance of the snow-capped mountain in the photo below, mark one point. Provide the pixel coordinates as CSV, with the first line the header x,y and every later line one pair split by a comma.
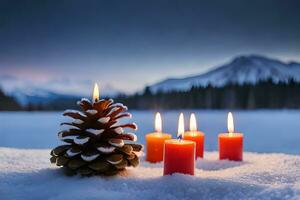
x,y
241,70
26,91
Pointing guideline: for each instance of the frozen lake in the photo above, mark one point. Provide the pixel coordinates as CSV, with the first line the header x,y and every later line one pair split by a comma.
x,y
264,130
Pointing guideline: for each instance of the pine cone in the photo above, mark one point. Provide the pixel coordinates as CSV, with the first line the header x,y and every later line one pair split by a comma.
x,y
95,142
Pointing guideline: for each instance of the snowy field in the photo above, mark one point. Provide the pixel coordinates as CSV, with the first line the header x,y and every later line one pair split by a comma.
x,y
264,131
273,173
27,174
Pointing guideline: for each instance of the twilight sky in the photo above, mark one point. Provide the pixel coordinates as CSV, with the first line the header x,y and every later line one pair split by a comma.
x,y
130,43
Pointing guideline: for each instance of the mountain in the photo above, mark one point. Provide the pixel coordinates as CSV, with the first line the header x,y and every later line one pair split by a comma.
x,y
27,91
242,69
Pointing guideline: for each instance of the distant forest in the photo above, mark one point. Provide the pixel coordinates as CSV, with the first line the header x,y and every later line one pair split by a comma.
x,y
265,94
8,103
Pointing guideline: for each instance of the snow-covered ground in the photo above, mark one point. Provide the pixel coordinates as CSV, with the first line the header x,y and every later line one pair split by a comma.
x,y
27,174
264,130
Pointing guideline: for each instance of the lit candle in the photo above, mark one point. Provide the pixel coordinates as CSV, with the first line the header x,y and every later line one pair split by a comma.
x,y
196,136
155,141
231,144
96,93
179,156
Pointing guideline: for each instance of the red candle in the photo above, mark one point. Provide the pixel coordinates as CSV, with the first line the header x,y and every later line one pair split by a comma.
x,y
155,142
231,144
196,136
179,155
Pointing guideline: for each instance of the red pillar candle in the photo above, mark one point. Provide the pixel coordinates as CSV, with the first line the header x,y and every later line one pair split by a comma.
x,y
231,144
155,142
196,136
179,155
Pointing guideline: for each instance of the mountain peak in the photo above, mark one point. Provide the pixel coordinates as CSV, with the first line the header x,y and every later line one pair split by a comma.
x,y
253,58
243,69
249,57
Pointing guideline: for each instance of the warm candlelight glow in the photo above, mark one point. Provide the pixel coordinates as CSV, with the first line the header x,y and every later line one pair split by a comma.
x,y
230,124
158,123
230,144
180,133
96,93
155,142
193,123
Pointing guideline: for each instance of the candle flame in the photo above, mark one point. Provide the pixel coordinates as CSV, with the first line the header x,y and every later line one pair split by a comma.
x,y
193,123
180,133
96,93
158,123
230,124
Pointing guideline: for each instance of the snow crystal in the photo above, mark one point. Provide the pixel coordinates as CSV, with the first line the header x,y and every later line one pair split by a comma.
x,y
83,99
95,131
135,126
106,149
114,162
119,130
117,104
81,140
92,112
126,114
133,136
78,121
89,158
113,110
74,111
260,176
104,120
71,153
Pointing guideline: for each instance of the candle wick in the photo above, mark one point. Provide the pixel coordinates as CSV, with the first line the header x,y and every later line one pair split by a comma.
x,y
179,137
95,100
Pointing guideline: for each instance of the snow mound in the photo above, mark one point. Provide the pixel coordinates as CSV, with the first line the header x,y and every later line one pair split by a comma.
x,y
27,174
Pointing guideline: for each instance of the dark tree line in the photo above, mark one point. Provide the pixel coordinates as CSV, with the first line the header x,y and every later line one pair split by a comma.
x,y
8,103
265,94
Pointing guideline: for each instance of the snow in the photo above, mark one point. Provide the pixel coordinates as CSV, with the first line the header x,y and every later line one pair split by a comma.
x,y
81,140
106,149
75,112
78,121
95,131
89,157
28,174
119,130
104,120
113,110
92,112
70,153
265,131
241,70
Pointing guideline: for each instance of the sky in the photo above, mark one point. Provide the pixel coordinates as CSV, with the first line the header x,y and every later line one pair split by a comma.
x,y
127,44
